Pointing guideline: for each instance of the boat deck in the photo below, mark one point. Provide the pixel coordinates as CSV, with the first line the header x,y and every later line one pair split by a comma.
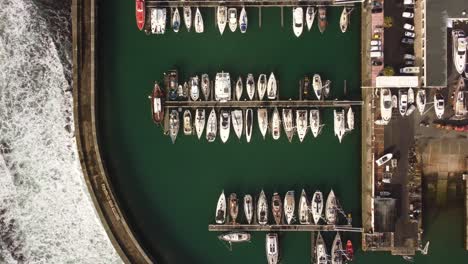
x,y
291,228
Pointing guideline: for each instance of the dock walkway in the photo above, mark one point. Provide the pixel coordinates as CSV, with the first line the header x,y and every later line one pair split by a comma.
x,y
255,3
266,104
291,228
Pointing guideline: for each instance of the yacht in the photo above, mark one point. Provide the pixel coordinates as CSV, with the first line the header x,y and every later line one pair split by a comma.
x,y
222,87
288,123
301,124
337,250
298,20
459,50
236,237
289,204
224,125
176,20
339,124
310,16
317,85
233,207
344,19
205,86
317,206
199,27
221,18
262,115
403,102
243,20
250,86
410,96
261,86
303,207
439,104
459,99
185,91
272,248
158,20
314,117
386,104
157,109
330,209
173,84
277,208
199,122
140,13
187,17
320,250
239,88
194,88
221,209
272,88
322,18
350,118
421,100
248,208
211,126
173,125
248,124
237,122
187,122
262,209
276,124
232,14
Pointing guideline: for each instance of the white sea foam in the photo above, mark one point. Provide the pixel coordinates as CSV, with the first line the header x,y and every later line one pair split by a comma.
x,y
46,214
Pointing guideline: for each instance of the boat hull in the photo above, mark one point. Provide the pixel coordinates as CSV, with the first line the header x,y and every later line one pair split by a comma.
x,y
248,208
277,208
317,206
199,122
140,13
220,216
289,206
248,124
211,127
262,209
250,86
262,114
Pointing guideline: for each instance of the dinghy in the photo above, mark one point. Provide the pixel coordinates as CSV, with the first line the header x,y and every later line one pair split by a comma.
x,y
176,20
289,204
237,122
317,206
421,100
205,86
221,18
314,117
262,209
276,124
239,88
317,85
262,115
298,20
248,124
211,126
250,86
248,208
272,248
277,208
272,88
301,124
232,14
310,16
304,218
199,122
261,86
224,125
199,27
288,123
187,17
243,20
221,209
330,209
173,125
187,122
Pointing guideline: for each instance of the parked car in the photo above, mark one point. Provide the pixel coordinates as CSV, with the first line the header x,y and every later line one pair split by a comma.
x,y
408,14
409,70
375,48
377,10
409,34
376,54
376,36
409,57
384,159
407,41
376,42
408,27
409,62
408,2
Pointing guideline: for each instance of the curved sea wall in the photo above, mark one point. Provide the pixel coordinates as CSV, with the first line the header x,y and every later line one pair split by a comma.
x,y
84,79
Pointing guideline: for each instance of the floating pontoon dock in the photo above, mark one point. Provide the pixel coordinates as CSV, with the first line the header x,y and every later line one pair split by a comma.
x,y
290,228
255,3
262,104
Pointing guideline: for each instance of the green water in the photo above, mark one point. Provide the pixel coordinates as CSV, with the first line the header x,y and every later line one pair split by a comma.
x,y
169,192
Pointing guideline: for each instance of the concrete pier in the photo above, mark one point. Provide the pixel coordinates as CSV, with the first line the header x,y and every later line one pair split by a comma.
x,y
284,228
255,3
263,104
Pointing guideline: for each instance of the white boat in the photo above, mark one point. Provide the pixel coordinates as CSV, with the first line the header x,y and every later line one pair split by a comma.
x,y
176,20
262,209
276,124
288,123
224,125
317,206
250,86
173,125
403,102
322,18
460,106
221,18
337,250
384,159
301,124
243,20
187,17
339,124
211,126
317,85
237,122
261,86
303,209
314,117
344,19
298,20
187,122
199,122
410,96
262,115
439,104
410,110
194,88
394,101
386,104
199,27
158,20
272,88
248,124
221,209
421,100
205,85
223,87
350,119
321,250
330,209
310,16
248,208
289,204
239,88
237,237
459,50
272,248
232,14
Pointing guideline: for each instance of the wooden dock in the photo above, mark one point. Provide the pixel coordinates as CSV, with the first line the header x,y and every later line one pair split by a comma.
x,y
263,104
283,228
254,3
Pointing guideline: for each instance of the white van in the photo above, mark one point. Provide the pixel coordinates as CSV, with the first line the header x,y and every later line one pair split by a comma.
x,y
408,27
376,54
408,14
375,48
409,70
408,2
376,42
409,57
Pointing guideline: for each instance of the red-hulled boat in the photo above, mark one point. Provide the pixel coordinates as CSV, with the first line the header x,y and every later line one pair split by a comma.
x,y
349,250
140,9
157,108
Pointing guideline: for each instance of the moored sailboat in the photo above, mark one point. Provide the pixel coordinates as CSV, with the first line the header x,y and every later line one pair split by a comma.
x,y
221,18
187,122
205,86
320,250
350,119
261,86
421,100
317,206
157,99
344,19
330,209
277,208
187,17
337,250
322,19
243,20
310,16
211,126
237,122
199,122
176,20
239,88
288,123
194,88
224,125
339,124
237,237
289,206
250,86
275,124
314,118
140,13
199,27
301,124
304,218
262,209
248,124
221,209
232,14
272,248
248,208
173,125
233,207
272,87
317,85
262,115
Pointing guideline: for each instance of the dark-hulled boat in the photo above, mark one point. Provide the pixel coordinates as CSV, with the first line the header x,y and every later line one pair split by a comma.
x,y
322,19
140,12
277,208
233,207
157,109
